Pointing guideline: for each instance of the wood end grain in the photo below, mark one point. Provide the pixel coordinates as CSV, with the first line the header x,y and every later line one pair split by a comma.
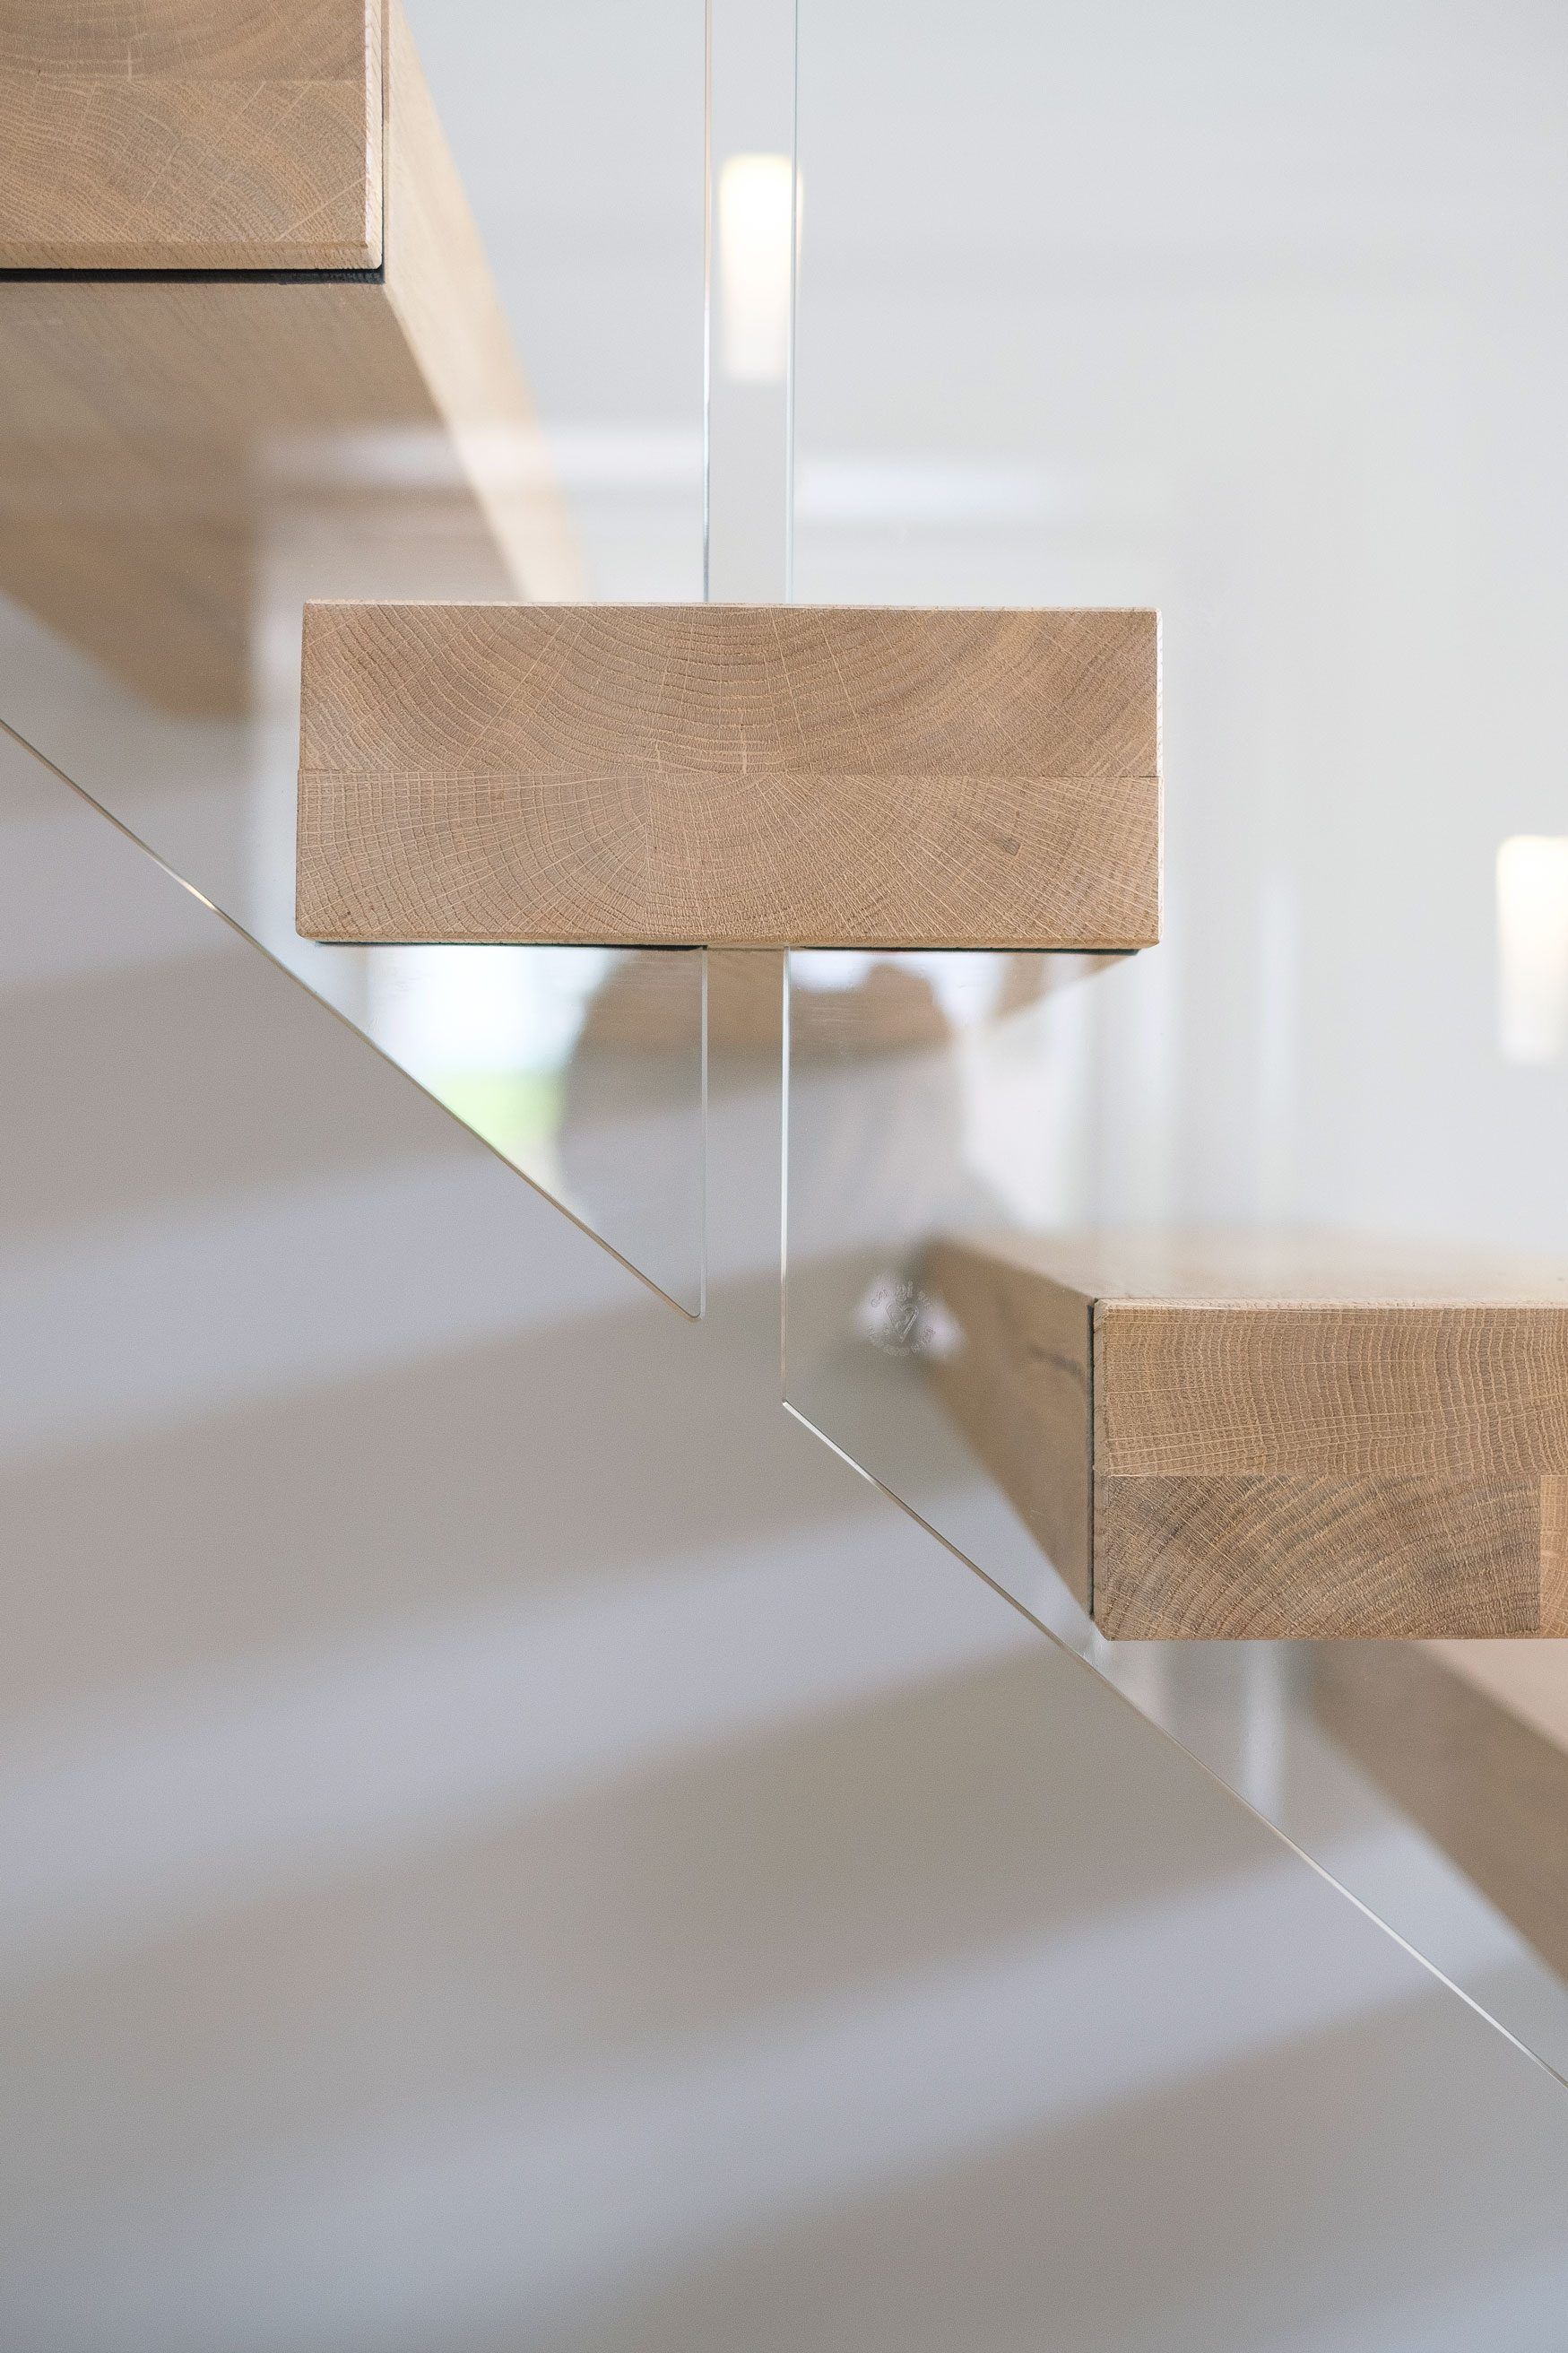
x,y
173,443
729,776
1554,1556
153,136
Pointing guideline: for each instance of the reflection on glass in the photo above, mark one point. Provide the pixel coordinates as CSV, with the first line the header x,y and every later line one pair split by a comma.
x,y
942,1097
188,461
582,1066
1096,311
490,1030
929,1096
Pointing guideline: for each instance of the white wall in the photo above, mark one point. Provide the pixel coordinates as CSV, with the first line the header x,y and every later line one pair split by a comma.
x,y
504,1841
1259,315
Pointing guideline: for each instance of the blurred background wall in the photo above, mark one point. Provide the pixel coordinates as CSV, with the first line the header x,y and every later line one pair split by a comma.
x,y
504,1841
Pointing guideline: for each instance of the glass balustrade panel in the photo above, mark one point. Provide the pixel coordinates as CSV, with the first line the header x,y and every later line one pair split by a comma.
x,y
1259,321
190,460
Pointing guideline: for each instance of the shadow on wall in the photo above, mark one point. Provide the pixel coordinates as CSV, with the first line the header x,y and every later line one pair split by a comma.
x,y
502,1832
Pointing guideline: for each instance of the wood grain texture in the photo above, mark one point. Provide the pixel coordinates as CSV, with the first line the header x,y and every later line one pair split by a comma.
x,y
164,134
1289,1438
156,438
730,775
1554,1556
1297,1558
1019,1387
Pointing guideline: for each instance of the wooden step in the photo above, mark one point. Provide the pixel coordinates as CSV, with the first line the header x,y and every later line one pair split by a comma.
x,y
1470,1740
734,776
1237,1437
313,319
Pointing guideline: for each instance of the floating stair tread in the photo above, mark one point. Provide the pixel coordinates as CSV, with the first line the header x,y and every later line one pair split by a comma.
x,y
1254,1435
164,435
151,135
729,776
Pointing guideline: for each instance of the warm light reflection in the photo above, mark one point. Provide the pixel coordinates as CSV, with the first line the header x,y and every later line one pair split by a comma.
x,y
1532,947
756,238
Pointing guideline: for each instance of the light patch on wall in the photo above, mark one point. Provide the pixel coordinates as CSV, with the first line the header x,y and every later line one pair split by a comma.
x,y
758,224
1532,947
490,1031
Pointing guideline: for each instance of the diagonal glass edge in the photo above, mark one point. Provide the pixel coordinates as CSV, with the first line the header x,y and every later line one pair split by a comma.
x,y
691,1313
1121,1668
1080,1658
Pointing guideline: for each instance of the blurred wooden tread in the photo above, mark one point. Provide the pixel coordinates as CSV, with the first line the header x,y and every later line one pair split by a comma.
x,y
165,433
1469,1740
1259,1436
733,775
